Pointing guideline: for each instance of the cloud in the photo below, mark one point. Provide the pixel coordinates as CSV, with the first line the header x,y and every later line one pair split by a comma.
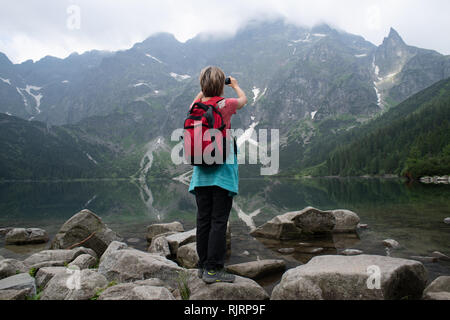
x,y
49,27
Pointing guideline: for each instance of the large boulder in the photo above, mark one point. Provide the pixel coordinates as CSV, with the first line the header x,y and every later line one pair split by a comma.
x,y
281,227
21,281
150,289
54,258
75,285
4,231
257,269
21,236
86,228
439,289
44,275
363,277
346,221
113,246
84,261
10,267
180,239
187,255
160,246
128,265
160,228
13,294
240,289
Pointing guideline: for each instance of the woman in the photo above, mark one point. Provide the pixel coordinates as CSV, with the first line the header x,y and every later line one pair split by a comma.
x,y
215,187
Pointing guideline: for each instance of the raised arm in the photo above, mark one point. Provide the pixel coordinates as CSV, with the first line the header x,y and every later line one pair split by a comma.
x,y
242,98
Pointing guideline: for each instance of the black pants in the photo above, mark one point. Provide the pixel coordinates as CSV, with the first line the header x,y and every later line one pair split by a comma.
x,y
214,206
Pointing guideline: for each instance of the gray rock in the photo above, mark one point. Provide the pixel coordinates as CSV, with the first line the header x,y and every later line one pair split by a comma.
x,y
353,278
447,220
311,220
286,250
363,226
439,289
160,246
346,221
390,243
12,294
240,289
180,239
2,258
257,269
19,281
187,255
133,240
84,261
21,236
424,259
77,285
281,227
49,258
151,289
10,267
44,275
440,256
113,246
4,231
160,228
80,227
129,265
351,252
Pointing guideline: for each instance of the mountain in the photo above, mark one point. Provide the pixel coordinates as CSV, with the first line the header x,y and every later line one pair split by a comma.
x,y
311,83
412,139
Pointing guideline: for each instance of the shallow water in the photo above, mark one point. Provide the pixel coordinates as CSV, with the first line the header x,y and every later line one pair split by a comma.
x,y
411,214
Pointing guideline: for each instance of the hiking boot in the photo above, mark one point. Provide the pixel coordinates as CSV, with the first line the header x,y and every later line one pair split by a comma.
x,y
213,276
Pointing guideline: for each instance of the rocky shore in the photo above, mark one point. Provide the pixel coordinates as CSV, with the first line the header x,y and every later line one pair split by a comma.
x,y
86,260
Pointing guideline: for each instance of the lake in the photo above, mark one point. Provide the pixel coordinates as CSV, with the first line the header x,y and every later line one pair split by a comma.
x,y
412,214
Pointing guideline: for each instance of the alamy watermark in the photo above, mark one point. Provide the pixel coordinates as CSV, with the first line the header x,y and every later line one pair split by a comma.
x,y
254,147
374,280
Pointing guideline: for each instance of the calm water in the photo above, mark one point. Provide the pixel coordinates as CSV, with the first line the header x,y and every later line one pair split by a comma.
x,y
411,214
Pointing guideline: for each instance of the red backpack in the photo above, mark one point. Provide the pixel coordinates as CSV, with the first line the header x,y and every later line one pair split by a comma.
x,y
199,139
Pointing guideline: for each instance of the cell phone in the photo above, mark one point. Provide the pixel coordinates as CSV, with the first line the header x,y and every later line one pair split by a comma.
x,y
228,81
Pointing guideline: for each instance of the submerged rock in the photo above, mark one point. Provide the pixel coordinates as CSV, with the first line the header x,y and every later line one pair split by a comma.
x,y
240,289
424,259
390,243
439,289
440,256
447,220
20,236
86,228
257,269
286,250
362,277
351,252
160,228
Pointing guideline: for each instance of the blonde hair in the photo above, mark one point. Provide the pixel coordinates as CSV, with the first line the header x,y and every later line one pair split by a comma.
x,y
212,81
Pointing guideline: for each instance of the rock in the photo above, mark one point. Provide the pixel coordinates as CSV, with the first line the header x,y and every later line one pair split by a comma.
x,y
245,253
128,265
440,256
12,294
363,226
2,258
257,269
439,289
286,250
346,221
160,246
424,259
351,252
311,220
59,257
133,240
447,220
80,227
160,228
113,246
4,231
180,239
281,228
21,281
151,289
44,275
84,261
74,285
390,243
187,255
21,236
10,267
240,289
362,277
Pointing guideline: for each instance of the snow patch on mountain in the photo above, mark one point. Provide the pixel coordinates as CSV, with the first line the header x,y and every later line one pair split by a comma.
x,y
361,55
90,158
9,114
65,81
37,97
379,102
154,58
307,39
180,77
6,80
25,102
320,35
313,114
256,92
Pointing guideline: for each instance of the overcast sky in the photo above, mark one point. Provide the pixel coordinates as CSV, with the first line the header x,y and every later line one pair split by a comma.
x,y
34,29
